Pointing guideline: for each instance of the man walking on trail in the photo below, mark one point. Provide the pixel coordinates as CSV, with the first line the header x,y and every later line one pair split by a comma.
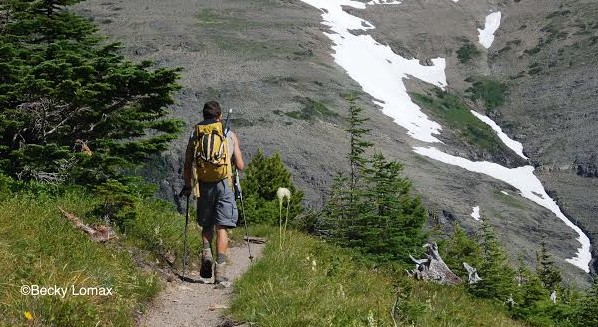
x,y
209,158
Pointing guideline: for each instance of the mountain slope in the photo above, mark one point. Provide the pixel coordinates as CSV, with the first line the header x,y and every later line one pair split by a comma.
x,y
271,61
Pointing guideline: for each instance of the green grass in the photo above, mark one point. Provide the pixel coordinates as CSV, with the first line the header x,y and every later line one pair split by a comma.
x,y
491,92
454,114
219,18
534,69
512,200
158,228
467,52
38,246
311,283
312,110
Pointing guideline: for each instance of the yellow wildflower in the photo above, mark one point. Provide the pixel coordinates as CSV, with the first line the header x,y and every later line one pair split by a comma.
x,y
28,315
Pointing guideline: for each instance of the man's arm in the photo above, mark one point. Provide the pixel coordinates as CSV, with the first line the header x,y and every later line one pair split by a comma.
x,y
237,154
188,166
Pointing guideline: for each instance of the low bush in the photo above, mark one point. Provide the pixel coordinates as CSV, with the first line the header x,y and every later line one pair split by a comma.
x,y
467,52
263,176
491,92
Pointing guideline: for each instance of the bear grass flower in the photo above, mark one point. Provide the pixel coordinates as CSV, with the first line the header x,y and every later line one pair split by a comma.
x,y
282,193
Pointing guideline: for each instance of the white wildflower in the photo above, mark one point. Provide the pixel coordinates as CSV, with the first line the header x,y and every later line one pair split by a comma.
x,y
282,193
341,291
371,320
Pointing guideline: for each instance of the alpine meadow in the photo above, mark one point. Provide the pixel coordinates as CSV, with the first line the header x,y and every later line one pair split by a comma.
x,y
298,163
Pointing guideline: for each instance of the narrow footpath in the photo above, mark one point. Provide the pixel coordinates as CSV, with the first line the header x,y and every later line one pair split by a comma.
x,y
198,304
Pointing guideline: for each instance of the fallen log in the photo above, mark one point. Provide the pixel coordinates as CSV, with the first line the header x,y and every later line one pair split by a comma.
x,y
100,233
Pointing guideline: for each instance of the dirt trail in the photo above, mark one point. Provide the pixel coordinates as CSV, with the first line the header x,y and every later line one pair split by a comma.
x,y
198,303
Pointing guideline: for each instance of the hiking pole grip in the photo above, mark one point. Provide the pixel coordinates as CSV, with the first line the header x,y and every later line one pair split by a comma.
x,y
237,185
226,123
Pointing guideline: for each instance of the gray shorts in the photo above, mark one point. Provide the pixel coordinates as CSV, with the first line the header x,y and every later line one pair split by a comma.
x,y
216,205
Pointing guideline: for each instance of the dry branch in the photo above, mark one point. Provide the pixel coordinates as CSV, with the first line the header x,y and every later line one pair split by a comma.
x,y
99,233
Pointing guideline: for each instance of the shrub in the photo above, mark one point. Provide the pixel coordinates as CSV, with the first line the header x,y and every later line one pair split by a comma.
x,y
491,92
263,176
372,210
459,248
495,271
119,199
467,52
312,110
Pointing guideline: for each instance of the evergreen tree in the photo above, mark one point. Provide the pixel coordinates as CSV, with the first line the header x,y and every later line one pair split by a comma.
x,y
531,299
531,289
337,211
372,210
497,276
357,145
263,176
548,273
459,248
71,108
587,314
390,220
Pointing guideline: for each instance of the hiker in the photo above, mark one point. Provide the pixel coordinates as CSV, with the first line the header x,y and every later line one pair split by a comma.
x,y
208,176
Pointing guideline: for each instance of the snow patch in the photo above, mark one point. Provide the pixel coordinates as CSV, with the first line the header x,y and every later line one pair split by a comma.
x,y
504,192
512,144
476,213
384,2
380,71
487,34
529,187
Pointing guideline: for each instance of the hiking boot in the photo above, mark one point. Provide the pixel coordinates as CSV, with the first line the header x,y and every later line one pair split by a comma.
x,y
220,276
206,264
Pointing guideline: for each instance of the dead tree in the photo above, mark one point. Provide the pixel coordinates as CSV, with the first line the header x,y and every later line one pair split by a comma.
x,y
472,273
433,267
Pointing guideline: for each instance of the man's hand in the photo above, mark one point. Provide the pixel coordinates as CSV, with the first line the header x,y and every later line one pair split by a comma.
x,y
186,191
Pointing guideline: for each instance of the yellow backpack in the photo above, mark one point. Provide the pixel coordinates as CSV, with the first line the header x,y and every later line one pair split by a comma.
x,y
211,157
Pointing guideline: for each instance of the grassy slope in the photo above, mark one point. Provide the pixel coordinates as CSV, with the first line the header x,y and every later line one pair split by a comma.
x,y
311,283
38,246
306,283
454,114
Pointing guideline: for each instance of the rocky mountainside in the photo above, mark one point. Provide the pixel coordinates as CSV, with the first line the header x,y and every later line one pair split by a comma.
x,y
271,62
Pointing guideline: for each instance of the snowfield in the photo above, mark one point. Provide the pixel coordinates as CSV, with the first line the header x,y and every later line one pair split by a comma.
x,y
380,72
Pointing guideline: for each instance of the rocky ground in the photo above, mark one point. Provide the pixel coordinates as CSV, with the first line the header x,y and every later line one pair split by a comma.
x,y
267,58
196,301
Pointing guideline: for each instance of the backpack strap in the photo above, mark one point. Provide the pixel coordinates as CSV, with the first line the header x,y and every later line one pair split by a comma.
x,y
229,166
195,180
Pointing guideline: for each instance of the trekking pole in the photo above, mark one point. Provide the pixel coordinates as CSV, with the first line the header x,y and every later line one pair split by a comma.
x,y
226,123
185,243
239,195
238,192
